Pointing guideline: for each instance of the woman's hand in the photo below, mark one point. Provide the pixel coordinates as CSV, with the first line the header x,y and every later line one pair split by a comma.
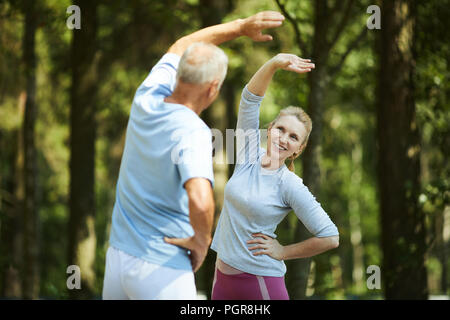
x,y
291,62
269,246
260,81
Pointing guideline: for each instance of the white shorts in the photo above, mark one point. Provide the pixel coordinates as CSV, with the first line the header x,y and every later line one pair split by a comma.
x,y
128,277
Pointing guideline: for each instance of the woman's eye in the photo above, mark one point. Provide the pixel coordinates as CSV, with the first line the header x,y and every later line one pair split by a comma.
x,y
294,137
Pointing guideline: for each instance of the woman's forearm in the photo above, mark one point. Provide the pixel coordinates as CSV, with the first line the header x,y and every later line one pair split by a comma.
x,y
310,247
261,79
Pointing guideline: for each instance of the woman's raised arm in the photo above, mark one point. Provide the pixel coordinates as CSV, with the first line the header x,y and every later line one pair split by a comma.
x,y
260,81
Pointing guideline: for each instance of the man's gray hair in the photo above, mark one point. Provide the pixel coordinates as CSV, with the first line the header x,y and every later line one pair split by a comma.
x,y
202,63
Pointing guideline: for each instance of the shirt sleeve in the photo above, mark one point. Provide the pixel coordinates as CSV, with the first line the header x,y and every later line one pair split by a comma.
x,y
162,78
298,197
193,156
247,128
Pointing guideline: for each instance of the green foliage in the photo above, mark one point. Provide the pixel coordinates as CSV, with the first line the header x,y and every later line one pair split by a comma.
x,y
132,36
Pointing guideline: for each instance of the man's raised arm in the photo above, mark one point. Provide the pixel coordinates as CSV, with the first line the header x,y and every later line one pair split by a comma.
x,y
251,27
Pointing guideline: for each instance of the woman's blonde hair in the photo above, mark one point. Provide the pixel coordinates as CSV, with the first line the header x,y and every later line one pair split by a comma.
x,y
303,117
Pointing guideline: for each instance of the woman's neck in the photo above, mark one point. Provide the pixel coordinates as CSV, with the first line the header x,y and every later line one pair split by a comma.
x,y
270,163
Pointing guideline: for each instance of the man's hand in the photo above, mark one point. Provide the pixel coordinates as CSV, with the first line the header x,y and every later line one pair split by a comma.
x,y
197,246
201,216
220,33
253,25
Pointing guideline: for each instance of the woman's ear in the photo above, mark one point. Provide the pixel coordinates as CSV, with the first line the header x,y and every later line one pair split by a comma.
x,y
302,147
299,152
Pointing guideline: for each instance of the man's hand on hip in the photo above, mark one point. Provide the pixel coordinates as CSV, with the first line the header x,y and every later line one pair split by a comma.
x,y
198,247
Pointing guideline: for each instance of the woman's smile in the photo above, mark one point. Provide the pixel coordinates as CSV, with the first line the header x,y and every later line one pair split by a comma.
x,y
280,147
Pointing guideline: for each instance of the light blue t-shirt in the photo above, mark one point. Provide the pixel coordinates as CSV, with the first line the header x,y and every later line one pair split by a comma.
x,y
166,145
256,200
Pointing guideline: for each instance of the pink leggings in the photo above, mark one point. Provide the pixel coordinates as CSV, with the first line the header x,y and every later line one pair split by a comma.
x,y
246,286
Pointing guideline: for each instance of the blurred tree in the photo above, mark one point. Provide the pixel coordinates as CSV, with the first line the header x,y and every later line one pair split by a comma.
x,y
84,63
11,146
328,23
212,12
30,220
131,36
432,84
11,209
402,222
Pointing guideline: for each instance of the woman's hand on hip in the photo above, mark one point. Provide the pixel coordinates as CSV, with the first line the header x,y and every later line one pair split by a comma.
x,y
266,245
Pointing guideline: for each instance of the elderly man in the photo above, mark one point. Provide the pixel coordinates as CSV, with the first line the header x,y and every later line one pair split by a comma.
x,y
163,213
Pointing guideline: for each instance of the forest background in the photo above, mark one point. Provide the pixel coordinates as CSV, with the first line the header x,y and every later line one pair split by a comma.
x,y
377,160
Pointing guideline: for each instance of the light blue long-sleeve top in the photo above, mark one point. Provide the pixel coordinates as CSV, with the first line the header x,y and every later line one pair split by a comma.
x,y
256,200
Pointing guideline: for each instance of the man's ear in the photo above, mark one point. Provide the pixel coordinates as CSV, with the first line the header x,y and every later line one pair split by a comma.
x,y
213,89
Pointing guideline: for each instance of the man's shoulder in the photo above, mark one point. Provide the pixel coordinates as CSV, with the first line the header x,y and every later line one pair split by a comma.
x,y
162,77
181,120
188,118
170,58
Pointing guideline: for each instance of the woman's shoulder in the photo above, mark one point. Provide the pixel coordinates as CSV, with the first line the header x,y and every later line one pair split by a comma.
x,y
290,177
290,181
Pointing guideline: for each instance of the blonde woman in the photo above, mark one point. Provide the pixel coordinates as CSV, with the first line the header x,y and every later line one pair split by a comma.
x,y
261,192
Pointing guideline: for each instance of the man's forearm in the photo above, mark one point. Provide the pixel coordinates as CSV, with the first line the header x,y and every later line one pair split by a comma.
x,y
202,221
201,207
310,247
216,35
250,27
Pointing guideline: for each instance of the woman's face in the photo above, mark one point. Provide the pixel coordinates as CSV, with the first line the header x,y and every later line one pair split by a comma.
x,y
285,137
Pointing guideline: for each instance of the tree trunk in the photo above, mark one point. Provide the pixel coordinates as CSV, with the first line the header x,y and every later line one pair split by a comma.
x,y
30,276
11,209
299,268
82,238
346,250
358,272
402,222
441,254
212,13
